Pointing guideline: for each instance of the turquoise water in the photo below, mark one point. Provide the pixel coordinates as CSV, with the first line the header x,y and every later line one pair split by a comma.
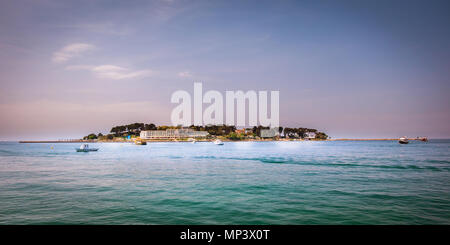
x,y
369,182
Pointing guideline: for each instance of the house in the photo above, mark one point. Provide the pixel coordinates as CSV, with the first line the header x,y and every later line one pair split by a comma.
x,y
248,130
310,135
240,131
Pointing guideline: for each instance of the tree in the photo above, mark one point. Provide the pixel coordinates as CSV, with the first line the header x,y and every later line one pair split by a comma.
x,y
150,126
134,128
116,130
229,129
234,136
163,127
122,129
301,132
280,130
290,132
321,136
91,136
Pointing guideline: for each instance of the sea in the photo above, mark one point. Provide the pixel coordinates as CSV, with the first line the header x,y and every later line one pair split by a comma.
x,y
301,182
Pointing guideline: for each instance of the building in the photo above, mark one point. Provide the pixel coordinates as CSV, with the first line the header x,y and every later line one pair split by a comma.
x,y
240,131
248,130
310,135
172,134
269,133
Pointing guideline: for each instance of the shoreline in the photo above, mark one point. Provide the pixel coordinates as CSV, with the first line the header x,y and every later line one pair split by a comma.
x,y
178,141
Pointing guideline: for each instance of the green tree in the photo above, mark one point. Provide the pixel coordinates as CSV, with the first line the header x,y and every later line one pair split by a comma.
x,y
150,126
234,136
92,136
321,136
301,132
115,130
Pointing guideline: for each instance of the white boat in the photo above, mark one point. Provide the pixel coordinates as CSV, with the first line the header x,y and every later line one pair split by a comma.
x,y
193,141
403,140
218,142
85,148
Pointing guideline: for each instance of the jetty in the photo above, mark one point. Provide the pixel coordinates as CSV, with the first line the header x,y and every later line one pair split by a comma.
x,y
58,141
382,139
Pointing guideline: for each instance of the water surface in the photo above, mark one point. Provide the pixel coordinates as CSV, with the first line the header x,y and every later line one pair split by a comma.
x,y
341,182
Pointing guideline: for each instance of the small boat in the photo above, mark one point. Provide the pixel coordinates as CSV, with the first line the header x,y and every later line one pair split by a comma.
x,y
140,142
193,141
218,142
424,139
403,140
85,148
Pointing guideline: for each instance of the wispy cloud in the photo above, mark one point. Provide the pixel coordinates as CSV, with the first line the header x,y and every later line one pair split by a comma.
x,y
113,72
185,74
70,51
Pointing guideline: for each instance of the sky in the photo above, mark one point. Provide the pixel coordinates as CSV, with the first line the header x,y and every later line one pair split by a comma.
x,y
354,69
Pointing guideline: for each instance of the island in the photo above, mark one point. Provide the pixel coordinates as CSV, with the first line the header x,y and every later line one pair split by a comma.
x,y
151,132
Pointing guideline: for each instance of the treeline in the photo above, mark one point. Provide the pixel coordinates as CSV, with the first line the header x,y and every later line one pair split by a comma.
x,y
123,131
135,129
224,130
132,129
303,133
217,130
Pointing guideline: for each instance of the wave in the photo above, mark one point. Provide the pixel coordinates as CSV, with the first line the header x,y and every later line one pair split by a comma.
x,y
285,160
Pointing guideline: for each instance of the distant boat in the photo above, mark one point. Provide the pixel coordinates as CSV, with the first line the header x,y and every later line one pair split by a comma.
x,y
193,141
424,139
140,142
85,148
403,140
218,142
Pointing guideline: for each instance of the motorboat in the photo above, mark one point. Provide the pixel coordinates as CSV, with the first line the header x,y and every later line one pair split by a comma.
x,y
424,139
85,148
140,142
218,142
403,140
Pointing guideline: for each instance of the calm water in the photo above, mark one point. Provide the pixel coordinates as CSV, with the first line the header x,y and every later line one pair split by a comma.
x,y
239,183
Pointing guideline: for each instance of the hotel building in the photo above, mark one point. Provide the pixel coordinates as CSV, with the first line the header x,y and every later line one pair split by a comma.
x,y
172,134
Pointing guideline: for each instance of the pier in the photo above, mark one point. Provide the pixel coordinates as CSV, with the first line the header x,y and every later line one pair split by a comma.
x,y
58,141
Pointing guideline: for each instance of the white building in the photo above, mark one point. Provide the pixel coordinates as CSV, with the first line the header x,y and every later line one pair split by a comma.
x,y
269,133
172,134
310,135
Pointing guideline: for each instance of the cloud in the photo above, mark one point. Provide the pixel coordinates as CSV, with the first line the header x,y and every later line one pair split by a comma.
x,y
185,74
70,51
79,67
113,72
